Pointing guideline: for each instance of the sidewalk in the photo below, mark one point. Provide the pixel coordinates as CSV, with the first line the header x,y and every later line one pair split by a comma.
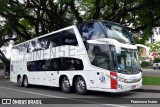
x,y
2,79
149,88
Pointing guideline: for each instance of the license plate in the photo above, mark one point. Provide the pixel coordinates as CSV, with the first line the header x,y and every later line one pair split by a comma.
x,y
133,87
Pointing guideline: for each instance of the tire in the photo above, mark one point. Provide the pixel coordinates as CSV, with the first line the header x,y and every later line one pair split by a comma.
x,y
80,86
154,68
65,85
20,81
25,82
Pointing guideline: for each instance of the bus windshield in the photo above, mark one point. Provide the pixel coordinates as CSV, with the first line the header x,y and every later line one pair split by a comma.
x,y
118,32
128,61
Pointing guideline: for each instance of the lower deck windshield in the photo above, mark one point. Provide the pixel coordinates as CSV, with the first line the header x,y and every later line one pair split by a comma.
x,y
104,56
128,61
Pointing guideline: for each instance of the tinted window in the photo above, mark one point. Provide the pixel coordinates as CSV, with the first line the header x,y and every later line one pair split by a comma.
x,y
99,55
118,32
54,40
44,42
91,30
101,60
70,64
55,64
67,37
33,46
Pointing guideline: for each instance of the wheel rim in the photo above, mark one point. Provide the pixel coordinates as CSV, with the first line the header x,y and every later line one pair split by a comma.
x,y
20,81
25,82
80,85
65,84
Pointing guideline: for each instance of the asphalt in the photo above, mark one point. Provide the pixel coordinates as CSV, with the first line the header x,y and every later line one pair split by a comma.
x,y
144,88
149,88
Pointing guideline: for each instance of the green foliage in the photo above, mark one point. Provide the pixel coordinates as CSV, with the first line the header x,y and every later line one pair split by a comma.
x,y
145,63
156,60
148,80
154,47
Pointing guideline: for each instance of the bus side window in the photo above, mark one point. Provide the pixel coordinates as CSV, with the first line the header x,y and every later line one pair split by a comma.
x,y
101,60
44,42
91,30
69,64
25,47
54,40
87,30
69,38
31,46
54,64
97,32
99,56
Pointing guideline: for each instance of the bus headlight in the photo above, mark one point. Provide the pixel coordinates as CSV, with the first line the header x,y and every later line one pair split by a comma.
x,y
118,78
121,79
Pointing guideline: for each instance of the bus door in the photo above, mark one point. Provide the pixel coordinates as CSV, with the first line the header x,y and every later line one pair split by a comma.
x,y
101,60
13,72
54,71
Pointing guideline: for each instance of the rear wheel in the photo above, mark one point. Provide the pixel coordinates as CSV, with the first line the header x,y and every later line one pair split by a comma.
x,y
65,85
26,84
20,81
80,86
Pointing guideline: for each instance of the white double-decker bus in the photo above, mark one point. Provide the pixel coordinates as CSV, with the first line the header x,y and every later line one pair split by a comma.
x,y
95,55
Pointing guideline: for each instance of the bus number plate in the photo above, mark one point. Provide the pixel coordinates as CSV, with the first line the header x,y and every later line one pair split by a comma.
x,y
133,87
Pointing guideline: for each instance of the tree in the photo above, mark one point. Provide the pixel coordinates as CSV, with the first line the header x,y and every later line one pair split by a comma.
x,y
31,18
155,47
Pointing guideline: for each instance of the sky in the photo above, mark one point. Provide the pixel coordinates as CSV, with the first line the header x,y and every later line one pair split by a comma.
x,y
156,34
157,37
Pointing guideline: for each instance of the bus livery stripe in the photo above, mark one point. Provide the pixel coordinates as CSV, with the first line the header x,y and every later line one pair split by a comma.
x,y
113,81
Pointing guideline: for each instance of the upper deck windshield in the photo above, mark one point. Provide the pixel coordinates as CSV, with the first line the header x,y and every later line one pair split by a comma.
x,y
104,55
118,32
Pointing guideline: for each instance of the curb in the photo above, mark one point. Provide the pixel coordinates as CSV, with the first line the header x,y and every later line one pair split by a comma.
x,y
148,90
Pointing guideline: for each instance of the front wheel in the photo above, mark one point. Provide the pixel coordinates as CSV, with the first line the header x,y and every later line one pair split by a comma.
x,y
80,86
65,85
26,84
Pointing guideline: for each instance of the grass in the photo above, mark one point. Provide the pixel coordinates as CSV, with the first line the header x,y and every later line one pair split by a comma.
x,y
148,80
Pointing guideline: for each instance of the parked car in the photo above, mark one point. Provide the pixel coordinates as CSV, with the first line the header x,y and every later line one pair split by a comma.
x,y
156,66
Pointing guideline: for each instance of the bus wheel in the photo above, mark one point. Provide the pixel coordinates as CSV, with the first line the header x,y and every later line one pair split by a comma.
x,y
80,86
20,81
26,81
65,85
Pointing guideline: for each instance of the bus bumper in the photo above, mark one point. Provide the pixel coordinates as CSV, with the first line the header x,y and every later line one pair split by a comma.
x,y
123,87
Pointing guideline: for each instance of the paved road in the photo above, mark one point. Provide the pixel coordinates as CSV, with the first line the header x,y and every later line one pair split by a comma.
x,y
151,72
12,90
